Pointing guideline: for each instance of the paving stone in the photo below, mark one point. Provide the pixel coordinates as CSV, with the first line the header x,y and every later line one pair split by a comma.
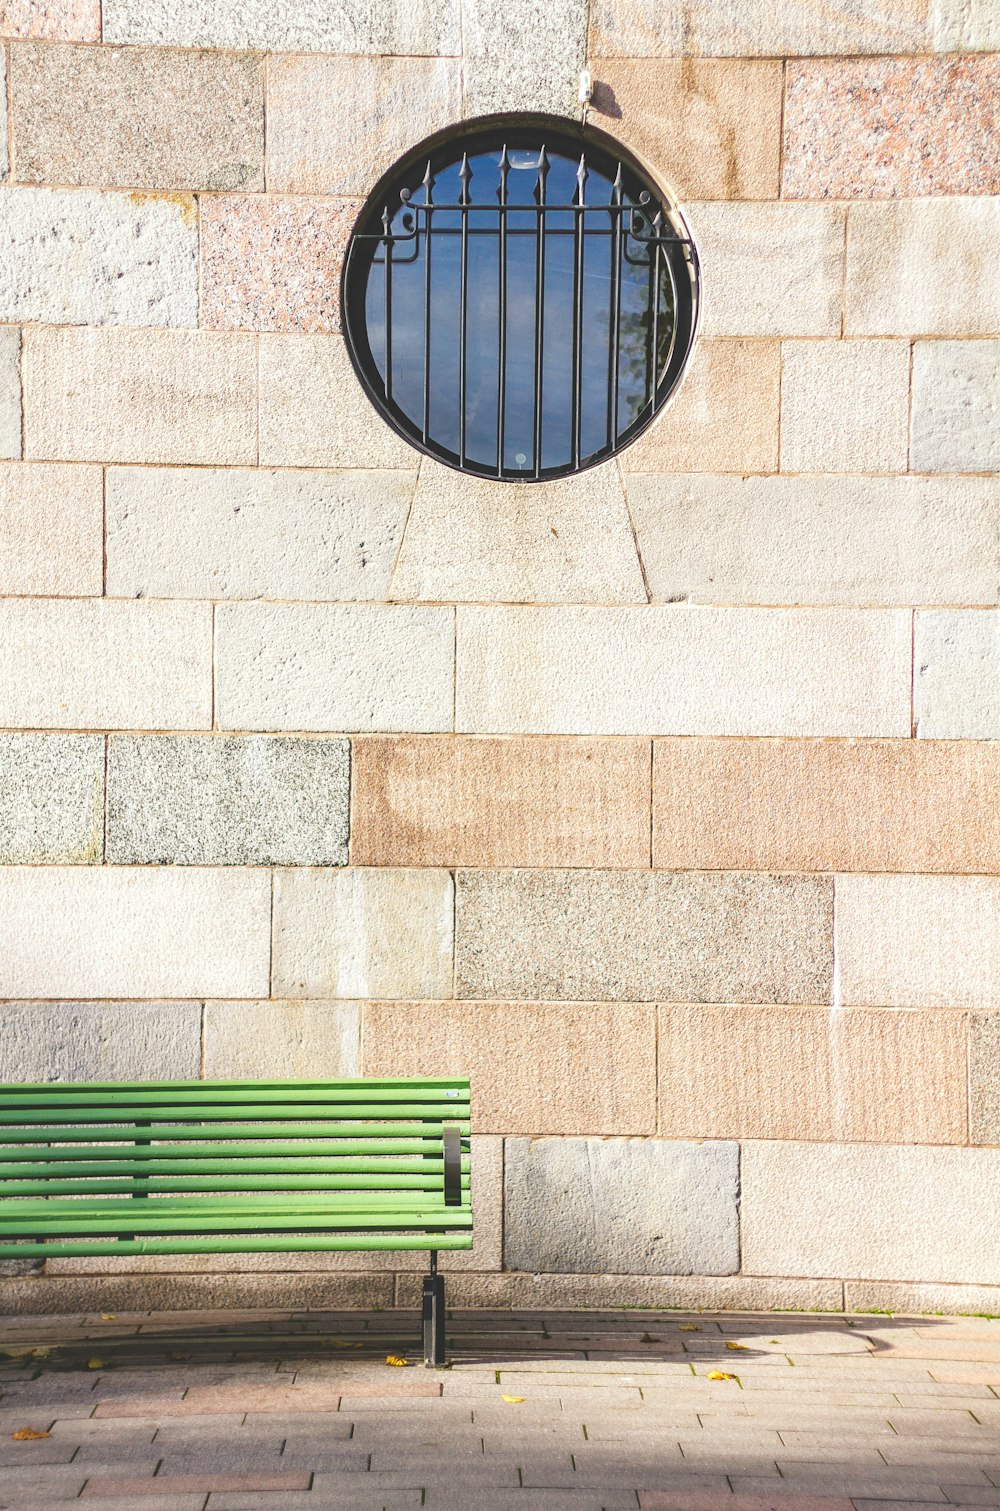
x,y
363,667
51,798
770,269
621,1206
10,392
75,20
100,1041
227,800
522,57
957,674
111,932
386,27
84,257
229,533
182,1484
752,28
137,117
641,937
956,420
286,1039
845,406
363,933
50,528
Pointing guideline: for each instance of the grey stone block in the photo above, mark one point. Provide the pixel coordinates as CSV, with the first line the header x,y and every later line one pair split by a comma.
x,y
956,418
636,936
984,1078
227,800
10,392
287,1039
99,1041
622,1206
51,798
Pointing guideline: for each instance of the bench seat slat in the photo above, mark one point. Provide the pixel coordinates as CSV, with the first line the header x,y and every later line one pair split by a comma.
x,y
264,1243
178,1184
293,1084
178,1164
236,1112
74,1134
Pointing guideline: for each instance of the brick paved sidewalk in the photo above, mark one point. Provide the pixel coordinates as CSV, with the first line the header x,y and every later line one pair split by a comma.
x,y
217,1411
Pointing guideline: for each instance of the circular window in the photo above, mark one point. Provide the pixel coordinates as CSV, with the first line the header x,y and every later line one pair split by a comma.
x,y
519,301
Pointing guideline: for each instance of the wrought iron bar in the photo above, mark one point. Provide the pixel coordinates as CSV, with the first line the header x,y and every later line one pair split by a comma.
x,y
543,171
387,299
428,182
502,314
581,181
615,318
465,176
654,263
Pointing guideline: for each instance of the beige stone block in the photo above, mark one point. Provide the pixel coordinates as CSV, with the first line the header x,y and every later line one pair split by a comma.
x,y
957,674
956,406
910,1300
102,664
66,1290
273,264
100,1041
923,267
137,117
51,799
314,412
420,28
10,392
873,1212
723,418
709,129
234,533
729,1293
140,396
363,933
51,529
850,1075
494,1042
844,406
122,931
523,56
817,540
332,667
73,20
79,257
285,1040
966,25
826,805
770,269
755,28
681,669
481,802
315,146
984,1078
635,936
919,941
562,542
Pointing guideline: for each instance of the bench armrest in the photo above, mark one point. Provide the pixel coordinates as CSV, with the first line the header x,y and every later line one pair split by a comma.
x,y
452,1165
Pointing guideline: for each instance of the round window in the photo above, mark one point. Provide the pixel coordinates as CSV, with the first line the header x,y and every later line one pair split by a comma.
x,y
520,300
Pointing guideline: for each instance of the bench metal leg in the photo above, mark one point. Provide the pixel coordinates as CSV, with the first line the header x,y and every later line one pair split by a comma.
x,y
433,1317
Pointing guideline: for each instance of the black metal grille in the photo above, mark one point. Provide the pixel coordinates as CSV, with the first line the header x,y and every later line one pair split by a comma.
x,y
519,303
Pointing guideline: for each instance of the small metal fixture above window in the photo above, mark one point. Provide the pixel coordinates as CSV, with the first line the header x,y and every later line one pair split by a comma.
x,y
520,300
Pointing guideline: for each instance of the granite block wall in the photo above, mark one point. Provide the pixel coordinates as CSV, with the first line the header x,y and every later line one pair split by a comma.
x,y
664,800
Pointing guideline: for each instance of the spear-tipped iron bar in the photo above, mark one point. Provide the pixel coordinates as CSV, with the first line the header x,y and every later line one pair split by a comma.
x,y
614,342
465,175
428,209
387,301
581,180
502,314
543,169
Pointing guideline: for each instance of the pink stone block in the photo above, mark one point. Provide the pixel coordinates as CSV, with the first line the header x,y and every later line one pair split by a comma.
x,y
273,264
67,20
884,128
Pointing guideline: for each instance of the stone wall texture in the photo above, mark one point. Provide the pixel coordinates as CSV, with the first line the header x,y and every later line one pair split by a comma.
x,y
663,801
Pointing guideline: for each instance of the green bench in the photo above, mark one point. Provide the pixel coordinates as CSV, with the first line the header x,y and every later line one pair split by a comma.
x,y
238,1167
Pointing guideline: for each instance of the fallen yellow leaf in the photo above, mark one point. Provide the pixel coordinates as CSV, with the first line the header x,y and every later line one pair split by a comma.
x,y
688,1327
95,1363
719,1374
513,1400
180,1356
737,1347
109,1316
28,1435
396,1360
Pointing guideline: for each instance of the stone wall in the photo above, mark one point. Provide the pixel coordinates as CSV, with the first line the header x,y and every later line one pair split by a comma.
x,y
663,801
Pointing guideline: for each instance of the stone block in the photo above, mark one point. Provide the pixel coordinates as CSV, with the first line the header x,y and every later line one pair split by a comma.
x,y
682,669
89,258
51,529
522,56
562,542
957,674
137,117
984,1078
37,1295
770,269
10,392
712,127
307,1040
51,799
315,146
482,802
273,264
919,941
531,1065
589,1292
956,416
423,28
845,406
817,540
4,143
100,1041
723,418
314,412
754,28
915,1299
966,26
635,936
140,396
334,667
102,664
227,800
850,1075
363,933
232,533
108,931
873,1212
621,1207
72,20
826,805
891,127
901,268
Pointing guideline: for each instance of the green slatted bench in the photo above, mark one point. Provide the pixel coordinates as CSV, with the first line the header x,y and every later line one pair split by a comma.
x,y
247,1167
